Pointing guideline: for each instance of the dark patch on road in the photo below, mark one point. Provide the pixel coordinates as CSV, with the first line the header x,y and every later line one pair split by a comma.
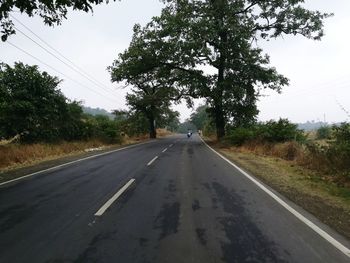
x,y
215,203
168,219
247,242
190,151
207,186
143,241
89,255
171,186
202,236
14,215
195,205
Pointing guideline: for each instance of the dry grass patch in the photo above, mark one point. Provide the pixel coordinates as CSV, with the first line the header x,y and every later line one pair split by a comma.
x,y
19,155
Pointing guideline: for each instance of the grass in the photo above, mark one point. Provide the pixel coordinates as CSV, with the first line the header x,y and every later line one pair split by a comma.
x,y
14,155
282,166
19,155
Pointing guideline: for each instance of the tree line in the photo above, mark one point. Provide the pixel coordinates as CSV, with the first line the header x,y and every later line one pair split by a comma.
x,y
195,49
33,109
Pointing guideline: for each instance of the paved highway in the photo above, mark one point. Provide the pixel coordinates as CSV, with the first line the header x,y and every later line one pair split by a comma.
x,y
170,200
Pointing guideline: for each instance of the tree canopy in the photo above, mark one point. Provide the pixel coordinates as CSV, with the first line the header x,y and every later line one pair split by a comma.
x,y
212,44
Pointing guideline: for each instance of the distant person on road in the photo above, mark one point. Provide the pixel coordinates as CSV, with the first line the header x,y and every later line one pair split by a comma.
x,y
189,133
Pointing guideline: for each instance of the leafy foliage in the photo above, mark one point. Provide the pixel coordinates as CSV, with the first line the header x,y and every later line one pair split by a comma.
x,y
32,106
324,132
30,103
153,87
193,34
339,148
272,131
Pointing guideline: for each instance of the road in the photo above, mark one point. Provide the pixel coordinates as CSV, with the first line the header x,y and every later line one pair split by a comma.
x,y
171,200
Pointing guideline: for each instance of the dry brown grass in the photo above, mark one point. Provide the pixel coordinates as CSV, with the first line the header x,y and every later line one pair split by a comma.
x,y
163,132
12,155
15,155
296,154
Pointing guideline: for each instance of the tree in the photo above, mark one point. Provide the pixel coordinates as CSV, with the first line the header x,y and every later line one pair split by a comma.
x,y
200,117
30,103
153,87
220,34
52,12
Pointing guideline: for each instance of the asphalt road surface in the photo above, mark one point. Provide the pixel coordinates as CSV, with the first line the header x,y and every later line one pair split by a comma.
x,y
170,200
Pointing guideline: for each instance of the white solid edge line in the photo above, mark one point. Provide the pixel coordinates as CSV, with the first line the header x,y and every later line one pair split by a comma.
x,y
76,161
306,221
151,161
164,150
103,209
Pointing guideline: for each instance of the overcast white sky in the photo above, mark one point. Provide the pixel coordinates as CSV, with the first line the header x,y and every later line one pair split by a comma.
x,y
319,72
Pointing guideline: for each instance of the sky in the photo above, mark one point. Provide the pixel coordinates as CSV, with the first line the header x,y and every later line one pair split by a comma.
x,y
319,71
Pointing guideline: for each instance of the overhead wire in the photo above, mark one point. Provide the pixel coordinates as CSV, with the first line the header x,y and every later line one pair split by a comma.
x,y
62,61
59,53
59,72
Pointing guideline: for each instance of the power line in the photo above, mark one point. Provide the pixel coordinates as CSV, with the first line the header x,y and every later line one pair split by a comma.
x,y
61,60
71,67
58,52
77,82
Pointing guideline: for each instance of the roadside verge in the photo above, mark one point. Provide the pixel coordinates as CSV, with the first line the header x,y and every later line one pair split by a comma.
x,y
329,203
15,175
331,238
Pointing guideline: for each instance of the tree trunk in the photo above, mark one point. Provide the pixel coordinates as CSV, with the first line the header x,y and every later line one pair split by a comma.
x,y
218,99
219,122
152,127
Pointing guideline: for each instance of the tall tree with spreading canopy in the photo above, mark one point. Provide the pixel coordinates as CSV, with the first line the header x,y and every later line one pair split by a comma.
x,y
219,36
153,87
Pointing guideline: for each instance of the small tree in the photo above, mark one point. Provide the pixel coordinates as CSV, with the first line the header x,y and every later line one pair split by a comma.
x,y
31,104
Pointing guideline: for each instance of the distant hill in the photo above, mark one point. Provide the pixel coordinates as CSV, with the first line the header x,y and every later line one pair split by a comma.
x,y
97,111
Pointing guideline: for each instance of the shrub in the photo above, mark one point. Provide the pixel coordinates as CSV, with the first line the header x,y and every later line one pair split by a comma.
x,y
239,136
339,148
279,131
324,132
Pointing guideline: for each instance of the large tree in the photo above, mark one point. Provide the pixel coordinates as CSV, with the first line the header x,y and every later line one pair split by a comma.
x,y
154,88
214,42
52,12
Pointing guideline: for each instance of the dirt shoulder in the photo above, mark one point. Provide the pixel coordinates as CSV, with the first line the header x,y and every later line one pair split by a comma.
x,y
328,202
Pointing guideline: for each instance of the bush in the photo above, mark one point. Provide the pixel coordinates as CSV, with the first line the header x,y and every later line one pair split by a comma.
x,y
324,132
279,131
105,129
339,148
239,136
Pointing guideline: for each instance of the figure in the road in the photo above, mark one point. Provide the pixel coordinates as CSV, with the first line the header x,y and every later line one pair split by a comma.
x,y
189,133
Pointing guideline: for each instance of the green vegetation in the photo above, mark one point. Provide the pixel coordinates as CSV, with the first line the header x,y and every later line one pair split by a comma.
x,y
271,131
170,51
324,132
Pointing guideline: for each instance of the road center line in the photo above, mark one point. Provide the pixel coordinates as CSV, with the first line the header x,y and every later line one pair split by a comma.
x,y
164,150
171,145
155,158
114,197
302,218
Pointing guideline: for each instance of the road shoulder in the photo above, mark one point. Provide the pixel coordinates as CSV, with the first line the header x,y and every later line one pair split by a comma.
x,y
297,185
